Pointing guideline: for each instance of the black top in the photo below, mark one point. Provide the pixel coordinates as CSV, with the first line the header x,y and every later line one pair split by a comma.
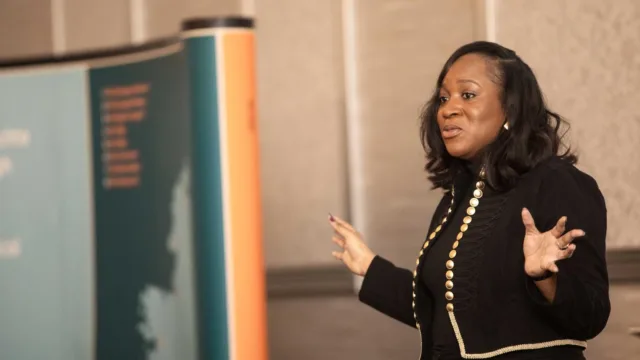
x,y
497,311
433,277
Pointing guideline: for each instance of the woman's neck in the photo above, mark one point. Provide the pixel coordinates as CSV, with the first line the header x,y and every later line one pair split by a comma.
x,y
473,166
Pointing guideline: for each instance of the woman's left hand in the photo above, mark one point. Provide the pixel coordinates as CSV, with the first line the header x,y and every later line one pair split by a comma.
x,y
542,250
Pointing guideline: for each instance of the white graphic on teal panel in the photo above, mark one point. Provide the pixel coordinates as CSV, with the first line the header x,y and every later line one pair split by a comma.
x,y
170,317
14,138
6,166
10,248
11,139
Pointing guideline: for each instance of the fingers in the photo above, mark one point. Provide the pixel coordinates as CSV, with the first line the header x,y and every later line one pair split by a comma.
x,y
566,253
342,229
341,222
569,252
569,237
550,263
338,255
559,229
572,249
529,224
340,226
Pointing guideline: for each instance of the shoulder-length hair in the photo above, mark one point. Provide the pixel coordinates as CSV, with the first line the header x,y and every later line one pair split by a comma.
x,y
534,131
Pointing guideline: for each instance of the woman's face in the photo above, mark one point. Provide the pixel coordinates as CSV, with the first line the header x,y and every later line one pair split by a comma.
x,y
470,114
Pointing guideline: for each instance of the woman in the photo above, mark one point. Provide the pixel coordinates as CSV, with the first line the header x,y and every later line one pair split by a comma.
x,y
500,275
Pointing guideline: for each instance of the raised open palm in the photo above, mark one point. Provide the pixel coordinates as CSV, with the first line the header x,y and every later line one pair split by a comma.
x,y
542,250
355,254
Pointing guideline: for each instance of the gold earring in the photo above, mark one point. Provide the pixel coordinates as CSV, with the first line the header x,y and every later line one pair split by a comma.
x,y
506,126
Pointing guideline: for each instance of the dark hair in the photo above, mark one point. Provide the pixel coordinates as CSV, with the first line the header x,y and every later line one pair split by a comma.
x,y
534,131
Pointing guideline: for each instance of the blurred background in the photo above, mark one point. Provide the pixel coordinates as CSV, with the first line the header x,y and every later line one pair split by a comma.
x,y
340,84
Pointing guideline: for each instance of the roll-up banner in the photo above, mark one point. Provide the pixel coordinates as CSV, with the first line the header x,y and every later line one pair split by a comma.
x,y
226,188
130,223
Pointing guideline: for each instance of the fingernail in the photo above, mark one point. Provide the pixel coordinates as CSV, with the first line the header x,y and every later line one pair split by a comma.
x,y
331,218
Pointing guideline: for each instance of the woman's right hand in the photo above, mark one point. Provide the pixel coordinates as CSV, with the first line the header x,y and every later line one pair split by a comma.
x,y
355,254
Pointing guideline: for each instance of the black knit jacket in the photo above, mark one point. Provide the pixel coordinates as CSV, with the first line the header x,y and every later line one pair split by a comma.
x,y
497,309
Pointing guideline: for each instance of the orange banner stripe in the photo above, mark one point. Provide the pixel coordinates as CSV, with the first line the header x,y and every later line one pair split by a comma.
x,y
249,289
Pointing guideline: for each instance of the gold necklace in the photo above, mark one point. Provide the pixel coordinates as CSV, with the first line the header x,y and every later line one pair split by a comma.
x,y
471,210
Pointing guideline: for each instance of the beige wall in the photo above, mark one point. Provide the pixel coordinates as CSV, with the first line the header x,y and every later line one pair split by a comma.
x,y
301,112
311,91
25,28
586,55
162,18
40,27
95,24
397,58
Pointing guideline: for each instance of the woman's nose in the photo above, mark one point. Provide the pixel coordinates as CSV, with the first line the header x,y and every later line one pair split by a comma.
x,y
450,109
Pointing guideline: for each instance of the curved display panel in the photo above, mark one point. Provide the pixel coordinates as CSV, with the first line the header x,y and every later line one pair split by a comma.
x,y
129,202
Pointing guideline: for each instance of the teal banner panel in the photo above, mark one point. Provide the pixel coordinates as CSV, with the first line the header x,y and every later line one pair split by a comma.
x,y
208,199
140,122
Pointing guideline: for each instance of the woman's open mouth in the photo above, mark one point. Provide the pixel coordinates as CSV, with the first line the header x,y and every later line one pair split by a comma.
x,y
450,131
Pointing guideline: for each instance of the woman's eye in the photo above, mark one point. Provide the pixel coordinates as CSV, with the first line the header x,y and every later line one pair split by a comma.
x,y
468,95
443,99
